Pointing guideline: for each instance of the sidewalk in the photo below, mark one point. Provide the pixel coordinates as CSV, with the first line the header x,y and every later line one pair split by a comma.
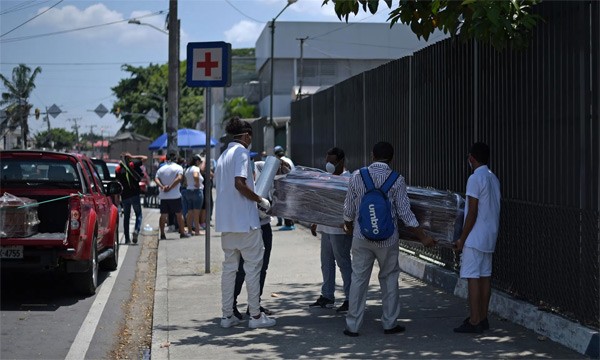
x,y
187,310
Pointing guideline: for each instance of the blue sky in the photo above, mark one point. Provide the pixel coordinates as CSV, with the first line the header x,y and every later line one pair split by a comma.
x,y
81,45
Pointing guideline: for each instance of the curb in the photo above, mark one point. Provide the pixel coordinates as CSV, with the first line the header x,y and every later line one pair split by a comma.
x,y
582,339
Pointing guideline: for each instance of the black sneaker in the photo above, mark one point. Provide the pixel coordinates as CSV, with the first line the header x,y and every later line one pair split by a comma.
x,y
469,328
163,237
262,309
184,236
323,302
237,313
134,238
395,330
343,308
485,324
350,333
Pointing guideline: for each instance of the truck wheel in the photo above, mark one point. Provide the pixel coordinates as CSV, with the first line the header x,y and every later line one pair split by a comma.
x,y
87,282
111,262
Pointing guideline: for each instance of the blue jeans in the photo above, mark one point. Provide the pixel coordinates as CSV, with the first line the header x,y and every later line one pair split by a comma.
x,y
335,248
126,204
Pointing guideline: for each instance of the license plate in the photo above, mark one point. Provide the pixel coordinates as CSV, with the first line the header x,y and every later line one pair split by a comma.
x,y
11,252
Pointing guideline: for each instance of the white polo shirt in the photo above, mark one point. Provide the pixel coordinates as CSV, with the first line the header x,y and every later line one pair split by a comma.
x,y
233,211
484,186
167,175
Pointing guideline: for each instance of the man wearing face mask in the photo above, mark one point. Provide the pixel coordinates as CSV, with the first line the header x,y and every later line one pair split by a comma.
x,y
237,219
335,244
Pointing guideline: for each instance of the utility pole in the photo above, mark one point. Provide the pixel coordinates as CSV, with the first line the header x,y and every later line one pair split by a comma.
x,y
92,129
300,82
173,90
76,128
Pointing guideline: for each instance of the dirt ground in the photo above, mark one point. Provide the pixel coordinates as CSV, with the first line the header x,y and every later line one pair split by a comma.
x,y
135,339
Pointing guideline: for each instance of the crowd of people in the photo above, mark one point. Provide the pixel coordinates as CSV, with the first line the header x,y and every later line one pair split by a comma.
x,y
247,236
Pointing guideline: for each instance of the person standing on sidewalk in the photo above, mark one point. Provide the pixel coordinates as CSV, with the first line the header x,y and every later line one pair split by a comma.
x,y
267,237
168,179
236,217
194,196
478,239
129,173
335,244
287,165
365,252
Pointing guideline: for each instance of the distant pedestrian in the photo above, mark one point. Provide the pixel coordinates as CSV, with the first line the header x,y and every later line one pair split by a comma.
x,y
194,195
335,244
129,173
238,221
287,165
365,252
478,239
168,179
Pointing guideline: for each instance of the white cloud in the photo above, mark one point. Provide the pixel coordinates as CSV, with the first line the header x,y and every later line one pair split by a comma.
x,y
243,34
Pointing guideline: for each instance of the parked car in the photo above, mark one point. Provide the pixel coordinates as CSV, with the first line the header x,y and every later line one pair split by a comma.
x,y
57,216
106,177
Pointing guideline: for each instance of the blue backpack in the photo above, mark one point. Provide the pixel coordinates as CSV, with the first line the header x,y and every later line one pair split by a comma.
x,y
375,211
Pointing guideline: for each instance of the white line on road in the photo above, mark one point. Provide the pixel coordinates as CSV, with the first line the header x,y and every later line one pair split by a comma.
x,y
86,332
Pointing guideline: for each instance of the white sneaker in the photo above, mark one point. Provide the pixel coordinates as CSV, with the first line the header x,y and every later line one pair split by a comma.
x,y
227,322
261,322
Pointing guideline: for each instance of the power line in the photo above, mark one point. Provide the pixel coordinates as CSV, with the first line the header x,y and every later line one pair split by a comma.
x,y
22,6
242,13
38,15
29,37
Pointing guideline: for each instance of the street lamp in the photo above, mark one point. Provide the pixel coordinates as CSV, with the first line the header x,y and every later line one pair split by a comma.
x,y
270,133
137,22
164,108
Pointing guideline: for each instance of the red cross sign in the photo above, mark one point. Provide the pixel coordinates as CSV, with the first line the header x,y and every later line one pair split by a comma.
x,y
208,64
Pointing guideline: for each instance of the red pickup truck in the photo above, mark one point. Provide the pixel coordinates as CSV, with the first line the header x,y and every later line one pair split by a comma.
x,y
78,223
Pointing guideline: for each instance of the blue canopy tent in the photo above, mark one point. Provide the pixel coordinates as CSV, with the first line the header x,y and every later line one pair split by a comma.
x,y
186,139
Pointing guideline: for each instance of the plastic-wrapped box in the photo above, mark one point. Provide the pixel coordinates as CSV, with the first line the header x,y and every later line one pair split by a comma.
x,y
18,216
316,197
310,195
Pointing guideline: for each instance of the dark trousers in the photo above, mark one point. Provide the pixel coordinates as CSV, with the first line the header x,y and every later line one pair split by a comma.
x,y
267,236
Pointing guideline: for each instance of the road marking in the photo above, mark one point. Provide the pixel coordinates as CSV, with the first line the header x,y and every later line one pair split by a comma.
x,y
86,332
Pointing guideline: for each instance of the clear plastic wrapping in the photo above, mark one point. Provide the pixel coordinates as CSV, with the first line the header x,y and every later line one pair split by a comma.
x,y
310,195
18,216
316,197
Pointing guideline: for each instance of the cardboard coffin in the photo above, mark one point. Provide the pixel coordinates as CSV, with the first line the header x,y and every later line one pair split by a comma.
x,y
316,197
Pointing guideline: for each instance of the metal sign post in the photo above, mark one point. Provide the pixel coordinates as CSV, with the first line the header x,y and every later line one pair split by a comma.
x,y
208,66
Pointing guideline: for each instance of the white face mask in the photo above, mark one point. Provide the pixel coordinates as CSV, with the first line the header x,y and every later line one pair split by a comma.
x,y
330,168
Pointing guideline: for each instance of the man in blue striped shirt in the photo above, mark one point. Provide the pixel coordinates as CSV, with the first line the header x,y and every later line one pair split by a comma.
x,y
365,252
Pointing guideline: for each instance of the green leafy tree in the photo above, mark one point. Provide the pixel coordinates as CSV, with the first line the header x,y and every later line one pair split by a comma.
x,y
238,106
146,88
16,99
499,23
57,138
87,140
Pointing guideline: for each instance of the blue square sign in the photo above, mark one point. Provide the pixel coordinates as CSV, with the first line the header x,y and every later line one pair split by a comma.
x,y
208,64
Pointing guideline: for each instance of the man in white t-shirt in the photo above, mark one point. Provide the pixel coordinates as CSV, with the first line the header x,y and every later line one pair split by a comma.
x,y
168,179
237,218
478,239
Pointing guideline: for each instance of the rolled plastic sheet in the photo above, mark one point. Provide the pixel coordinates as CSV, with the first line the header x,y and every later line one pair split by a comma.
x,y
315,197
264,183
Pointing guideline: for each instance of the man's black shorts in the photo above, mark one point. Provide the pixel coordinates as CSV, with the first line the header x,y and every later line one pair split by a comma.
x,y
170,206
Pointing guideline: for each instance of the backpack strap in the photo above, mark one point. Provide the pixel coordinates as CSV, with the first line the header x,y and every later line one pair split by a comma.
x,y
364,173
389,182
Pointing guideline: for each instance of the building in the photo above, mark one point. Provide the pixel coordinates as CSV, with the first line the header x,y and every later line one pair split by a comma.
x,y
310,56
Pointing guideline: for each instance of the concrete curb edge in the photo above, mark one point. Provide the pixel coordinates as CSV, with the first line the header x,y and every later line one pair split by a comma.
x,y
568,333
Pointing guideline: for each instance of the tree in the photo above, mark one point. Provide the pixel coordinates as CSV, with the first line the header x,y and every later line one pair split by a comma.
x,y
57,138
499,23
238,106
16,98
146,89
